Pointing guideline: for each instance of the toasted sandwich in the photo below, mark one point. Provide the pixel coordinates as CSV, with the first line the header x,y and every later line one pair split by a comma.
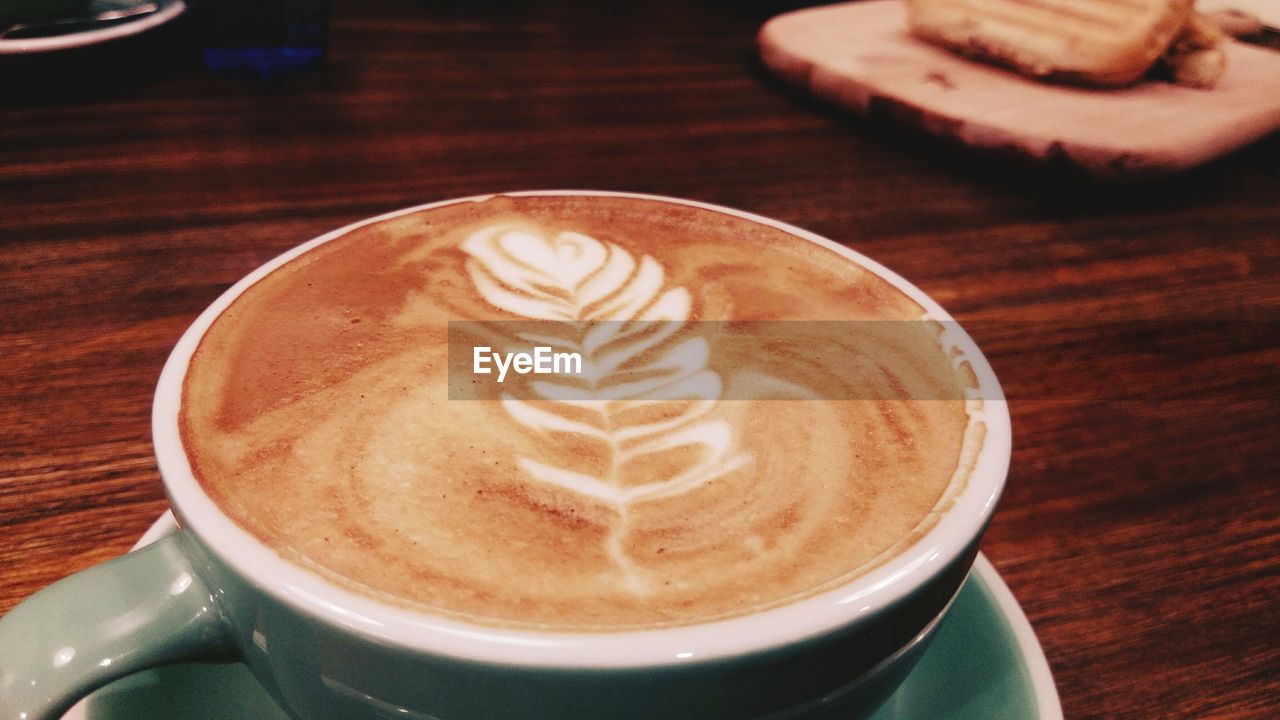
x,y
1092,42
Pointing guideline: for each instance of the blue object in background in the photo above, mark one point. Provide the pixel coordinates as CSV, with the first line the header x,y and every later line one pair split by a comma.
x,y
260,39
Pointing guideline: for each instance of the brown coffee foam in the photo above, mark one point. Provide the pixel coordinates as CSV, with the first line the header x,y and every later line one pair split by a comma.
x,y
316,415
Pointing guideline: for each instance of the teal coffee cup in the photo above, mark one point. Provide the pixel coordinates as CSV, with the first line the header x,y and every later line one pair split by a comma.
x,y
216,591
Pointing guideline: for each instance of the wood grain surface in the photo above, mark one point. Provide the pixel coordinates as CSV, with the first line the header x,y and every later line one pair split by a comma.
x,y
1135,329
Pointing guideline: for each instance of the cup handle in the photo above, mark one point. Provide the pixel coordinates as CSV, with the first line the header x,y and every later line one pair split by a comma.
x,y
138,611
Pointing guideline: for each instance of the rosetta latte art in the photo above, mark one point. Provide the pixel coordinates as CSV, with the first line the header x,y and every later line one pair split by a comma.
x,y
573,277
712,458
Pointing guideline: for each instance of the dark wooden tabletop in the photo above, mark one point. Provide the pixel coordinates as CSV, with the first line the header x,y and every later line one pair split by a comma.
x,y
1135,329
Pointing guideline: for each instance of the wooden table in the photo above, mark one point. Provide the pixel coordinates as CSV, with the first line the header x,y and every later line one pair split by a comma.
x,y
1135,330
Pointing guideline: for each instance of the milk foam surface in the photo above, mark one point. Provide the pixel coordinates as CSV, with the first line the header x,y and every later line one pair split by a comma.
x,y
316,414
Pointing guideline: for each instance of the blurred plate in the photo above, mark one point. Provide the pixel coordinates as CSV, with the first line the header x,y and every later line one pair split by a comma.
x,y
168,11
859,55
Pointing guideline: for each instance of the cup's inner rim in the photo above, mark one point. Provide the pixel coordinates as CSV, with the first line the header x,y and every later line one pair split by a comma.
x,y
861,596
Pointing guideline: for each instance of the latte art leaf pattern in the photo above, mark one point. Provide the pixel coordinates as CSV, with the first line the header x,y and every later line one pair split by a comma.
x,y
626,325
738,429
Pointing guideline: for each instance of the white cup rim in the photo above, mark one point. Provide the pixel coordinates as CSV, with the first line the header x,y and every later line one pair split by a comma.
x,y
955,530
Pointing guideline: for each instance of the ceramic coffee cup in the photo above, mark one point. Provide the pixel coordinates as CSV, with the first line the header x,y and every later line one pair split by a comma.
x,y
214,591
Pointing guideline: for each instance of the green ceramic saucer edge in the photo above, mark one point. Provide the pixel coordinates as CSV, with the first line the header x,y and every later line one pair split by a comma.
x,y
984,662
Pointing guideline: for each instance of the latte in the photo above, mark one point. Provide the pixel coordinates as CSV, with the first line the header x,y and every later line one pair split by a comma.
x,y
705,479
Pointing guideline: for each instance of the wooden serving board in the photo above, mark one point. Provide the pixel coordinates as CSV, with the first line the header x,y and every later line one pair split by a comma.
x,y
860,55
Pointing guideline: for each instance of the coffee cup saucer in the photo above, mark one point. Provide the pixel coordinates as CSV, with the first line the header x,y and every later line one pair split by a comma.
x,y
984,662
